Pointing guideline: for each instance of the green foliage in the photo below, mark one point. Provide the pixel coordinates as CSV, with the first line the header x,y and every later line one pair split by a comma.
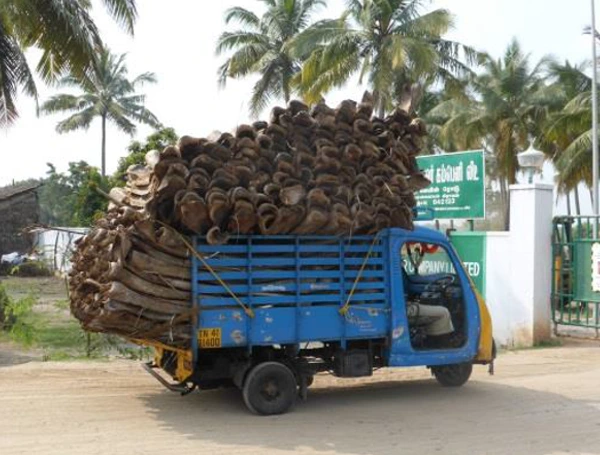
x,y
108,94
504,107
390,43
4,301
64,32
70,199
263,45
158,140
15,316
567,134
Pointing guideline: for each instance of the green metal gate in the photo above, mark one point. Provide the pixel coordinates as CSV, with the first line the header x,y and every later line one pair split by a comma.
x,y
576,272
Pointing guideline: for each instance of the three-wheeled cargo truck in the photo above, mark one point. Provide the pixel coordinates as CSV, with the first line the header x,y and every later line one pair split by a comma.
x,y
274,311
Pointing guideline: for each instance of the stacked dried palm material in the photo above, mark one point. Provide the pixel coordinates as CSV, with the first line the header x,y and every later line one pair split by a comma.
x,y
322,171
327,171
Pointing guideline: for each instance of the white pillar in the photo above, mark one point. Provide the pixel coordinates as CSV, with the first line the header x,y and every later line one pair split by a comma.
x,y
530,261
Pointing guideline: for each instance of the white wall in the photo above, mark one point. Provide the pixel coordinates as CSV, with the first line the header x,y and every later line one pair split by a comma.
x,y
507,313
518,269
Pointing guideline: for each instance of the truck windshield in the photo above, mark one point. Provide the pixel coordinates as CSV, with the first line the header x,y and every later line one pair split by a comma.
x,y
425,259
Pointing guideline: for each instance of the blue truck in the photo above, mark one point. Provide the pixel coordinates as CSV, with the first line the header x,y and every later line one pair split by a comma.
x,y
271,312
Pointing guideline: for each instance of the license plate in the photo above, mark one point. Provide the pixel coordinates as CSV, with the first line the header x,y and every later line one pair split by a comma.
x,y
209,338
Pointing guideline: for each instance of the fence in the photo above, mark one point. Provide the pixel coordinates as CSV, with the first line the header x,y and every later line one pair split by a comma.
x,y
576,272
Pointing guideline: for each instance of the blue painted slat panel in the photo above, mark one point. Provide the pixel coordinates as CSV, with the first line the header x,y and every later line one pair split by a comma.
x,y
276,325
273,325
352,274
288,275
377,249
370,296
319,248
360,261
241,249
361,323
256,261
228,301
320,323
241,289
319,261
229,249
271,275
231,322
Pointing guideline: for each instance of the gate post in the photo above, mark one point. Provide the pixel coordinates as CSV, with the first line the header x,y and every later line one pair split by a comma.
x,y
530,252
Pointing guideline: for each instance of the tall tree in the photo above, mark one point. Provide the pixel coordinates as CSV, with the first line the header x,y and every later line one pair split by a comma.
x,y
567,132
391,43
137,151
506,108
65,33
262,46
108,94
70,198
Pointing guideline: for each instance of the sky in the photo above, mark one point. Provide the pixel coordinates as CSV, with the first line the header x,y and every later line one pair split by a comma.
x,y
176,41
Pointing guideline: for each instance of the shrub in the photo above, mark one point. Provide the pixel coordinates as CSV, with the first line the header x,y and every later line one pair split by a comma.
x,y
31,269
4,315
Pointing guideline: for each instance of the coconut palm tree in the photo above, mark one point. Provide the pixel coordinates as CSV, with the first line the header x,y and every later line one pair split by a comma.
x,y
506,108
567,132
262,46
108,94
391,43
65,33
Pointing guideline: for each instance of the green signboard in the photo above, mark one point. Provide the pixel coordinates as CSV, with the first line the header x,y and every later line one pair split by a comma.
x,y
457,189
471,248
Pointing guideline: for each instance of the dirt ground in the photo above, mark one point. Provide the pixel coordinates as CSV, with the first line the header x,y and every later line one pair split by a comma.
x,y
544,401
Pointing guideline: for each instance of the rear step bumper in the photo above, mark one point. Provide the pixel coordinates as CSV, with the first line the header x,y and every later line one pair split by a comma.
x,y
181,387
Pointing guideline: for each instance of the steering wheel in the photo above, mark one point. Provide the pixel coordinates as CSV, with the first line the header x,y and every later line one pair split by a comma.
x,y
443,282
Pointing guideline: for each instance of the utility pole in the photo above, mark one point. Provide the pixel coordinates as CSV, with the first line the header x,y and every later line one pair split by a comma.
x,y
595,120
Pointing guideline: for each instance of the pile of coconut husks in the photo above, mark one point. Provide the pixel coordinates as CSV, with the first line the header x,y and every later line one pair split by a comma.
x,y
318,170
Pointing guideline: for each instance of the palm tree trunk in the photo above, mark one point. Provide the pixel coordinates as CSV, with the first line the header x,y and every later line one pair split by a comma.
x,y
103,145
568,194
505,198
577,203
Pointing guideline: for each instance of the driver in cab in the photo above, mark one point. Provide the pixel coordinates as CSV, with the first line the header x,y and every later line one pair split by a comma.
x,y
435,319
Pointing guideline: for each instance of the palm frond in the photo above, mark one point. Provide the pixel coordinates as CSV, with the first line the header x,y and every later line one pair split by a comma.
x,y
63,29
14,74
243,17
231,40
79,120
64,103
124,12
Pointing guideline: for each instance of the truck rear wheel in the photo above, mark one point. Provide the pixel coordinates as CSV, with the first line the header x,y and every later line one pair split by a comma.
x,y
270,388
453,375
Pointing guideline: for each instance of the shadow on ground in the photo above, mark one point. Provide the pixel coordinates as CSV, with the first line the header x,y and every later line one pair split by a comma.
x,y
9,357
386,418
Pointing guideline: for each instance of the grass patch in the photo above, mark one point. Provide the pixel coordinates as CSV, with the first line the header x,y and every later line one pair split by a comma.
x,y
62,304
551,343
39,320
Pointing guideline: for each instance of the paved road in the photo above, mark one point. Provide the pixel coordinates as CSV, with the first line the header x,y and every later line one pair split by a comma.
x,y
540,402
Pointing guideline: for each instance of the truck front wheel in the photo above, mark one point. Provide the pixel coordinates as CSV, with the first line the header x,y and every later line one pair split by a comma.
x,y
270,388
453,375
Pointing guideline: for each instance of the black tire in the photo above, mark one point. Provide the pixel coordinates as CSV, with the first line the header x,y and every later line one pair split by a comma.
x,y
453,375
270,388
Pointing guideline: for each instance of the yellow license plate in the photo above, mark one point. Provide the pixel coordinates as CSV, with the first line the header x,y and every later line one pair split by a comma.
x,y
209,338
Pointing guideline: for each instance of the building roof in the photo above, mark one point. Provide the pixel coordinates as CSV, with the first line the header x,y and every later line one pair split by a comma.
x,y
7,192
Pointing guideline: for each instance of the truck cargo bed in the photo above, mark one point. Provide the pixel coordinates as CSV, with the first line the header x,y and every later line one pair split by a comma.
x,y
263,290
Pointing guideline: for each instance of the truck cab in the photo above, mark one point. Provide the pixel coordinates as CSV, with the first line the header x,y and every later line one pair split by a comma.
x,y
274,311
